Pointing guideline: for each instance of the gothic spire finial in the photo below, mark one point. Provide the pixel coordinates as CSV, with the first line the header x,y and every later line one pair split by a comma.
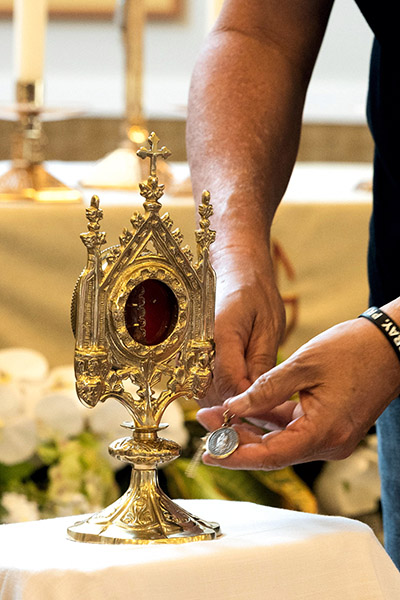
x,y
94,238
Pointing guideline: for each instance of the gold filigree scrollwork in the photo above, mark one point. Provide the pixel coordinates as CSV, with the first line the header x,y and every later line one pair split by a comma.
x,y
144,318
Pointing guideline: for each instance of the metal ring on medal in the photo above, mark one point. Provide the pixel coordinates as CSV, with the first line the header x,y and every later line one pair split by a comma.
x,y
222,442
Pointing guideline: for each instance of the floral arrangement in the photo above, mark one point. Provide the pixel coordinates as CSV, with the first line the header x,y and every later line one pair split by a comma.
x,y
54,457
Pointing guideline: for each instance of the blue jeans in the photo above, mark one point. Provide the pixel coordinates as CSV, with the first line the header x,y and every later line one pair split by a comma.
x,y
388,428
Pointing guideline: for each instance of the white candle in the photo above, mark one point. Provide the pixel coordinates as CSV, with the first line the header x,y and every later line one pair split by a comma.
x,y
30,20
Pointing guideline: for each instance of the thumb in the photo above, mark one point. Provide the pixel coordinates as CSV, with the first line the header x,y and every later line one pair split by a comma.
x,y
271,389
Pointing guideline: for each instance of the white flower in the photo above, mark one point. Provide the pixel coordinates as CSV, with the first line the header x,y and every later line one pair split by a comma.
x,y
11,404
19,508
23,364
104,420
61,378
17,441
18,437
351,487
73,504
27,369
58,415
175,418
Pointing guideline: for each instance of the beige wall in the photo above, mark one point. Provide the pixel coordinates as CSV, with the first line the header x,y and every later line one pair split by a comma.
x,y
92,138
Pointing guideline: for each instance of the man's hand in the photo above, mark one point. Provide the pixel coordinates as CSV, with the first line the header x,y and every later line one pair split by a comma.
x,y
244,119
249,323
345,378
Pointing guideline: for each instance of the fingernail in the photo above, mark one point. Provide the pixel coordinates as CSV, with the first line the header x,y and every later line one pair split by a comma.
x,y
200,415
237,404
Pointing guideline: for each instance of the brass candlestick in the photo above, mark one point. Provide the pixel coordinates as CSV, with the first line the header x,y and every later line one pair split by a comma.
x,y
121,168
28,179
142,311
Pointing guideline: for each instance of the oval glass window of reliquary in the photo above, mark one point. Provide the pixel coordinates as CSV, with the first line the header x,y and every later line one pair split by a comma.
x,y
151,312
147,311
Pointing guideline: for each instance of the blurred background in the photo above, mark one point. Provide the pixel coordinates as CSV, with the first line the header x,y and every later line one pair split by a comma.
x,y
84,69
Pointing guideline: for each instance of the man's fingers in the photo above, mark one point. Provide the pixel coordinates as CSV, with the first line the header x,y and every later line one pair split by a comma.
x,y
212,398
278,417
230,373
211,418
302,441
261,353
268,391
274,450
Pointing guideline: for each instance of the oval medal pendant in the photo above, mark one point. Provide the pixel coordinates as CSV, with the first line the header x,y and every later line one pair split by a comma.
x,y
222,442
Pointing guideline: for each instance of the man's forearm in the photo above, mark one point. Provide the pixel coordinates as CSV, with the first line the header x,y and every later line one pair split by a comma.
x,y
245,112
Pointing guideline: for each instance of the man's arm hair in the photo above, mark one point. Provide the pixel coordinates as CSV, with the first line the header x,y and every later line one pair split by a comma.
x,y
245,109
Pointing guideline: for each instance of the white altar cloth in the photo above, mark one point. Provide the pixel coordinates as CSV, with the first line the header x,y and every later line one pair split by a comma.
x,y
263,553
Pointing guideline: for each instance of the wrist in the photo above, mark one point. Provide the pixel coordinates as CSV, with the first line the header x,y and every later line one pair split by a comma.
x,y
240,249
392,309
387,326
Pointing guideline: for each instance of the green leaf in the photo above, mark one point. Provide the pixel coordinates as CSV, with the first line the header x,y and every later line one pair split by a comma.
x,y
181,486
48,453
295,494
282,488
12,473
217,483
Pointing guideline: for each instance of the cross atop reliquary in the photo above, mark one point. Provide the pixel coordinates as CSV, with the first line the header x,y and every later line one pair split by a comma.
x,y
143,318
151,190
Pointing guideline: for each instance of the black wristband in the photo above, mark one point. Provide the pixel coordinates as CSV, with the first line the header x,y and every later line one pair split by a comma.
x,y
389,328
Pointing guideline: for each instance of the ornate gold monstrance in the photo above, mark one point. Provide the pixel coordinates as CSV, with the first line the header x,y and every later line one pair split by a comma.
x,y
144,312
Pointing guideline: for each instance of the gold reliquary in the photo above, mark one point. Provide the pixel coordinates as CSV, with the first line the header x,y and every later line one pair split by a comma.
x,y
143,314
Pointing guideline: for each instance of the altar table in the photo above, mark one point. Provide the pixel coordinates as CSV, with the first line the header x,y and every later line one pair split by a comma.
x,y
263,553
321,228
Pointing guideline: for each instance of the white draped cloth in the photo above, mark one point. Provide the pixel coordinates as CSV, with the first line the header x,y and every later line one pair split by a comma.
x,y
263,553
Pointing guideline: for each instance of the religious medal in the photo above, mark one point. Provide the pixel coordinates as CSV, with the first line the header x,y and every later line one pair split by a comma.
x,y
222,442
